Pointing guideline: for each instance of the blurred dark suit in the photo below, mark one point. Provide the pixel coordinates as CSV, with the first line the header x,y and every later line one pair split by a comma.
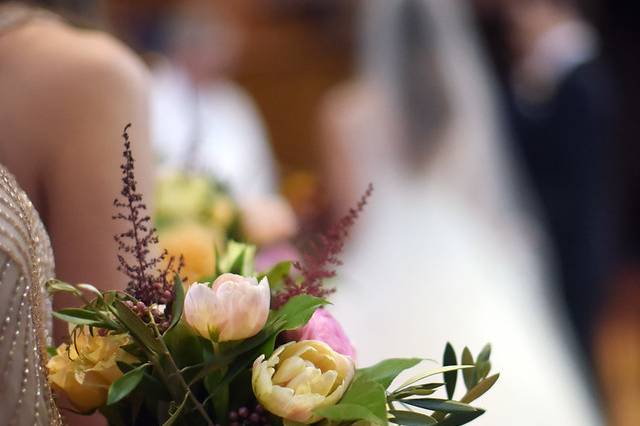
x,y
565,142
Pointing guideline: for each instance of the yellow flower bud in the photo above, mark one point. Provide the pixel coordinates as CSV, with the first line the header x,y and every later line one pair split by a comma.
x,y
301,377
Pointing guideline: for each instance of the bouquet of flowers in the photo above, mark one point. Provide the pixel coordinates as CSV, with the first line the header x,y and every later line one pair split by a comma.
x,y
242,348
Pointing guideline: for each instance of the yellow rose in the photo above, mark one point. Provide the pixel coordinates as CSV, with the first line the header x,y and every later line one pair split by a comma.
x,y
301,377
85,370
196,243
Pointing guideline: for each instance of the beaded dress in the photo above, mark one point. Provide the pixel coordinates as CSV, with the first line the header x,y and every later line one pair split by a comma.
x,y
26,263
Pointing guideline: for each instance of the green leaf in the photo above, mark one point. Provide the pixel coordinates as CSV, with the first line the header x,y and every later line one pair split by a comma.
x,y
346,412
298,310
368,394
386,371
125,384
178,302
133,349
411,418
470,377
80,313
433,373
214,386
124,367
483,365
437,404
450,377
78,316
478,390
91,289
240,365
276,275
425,389
482,369
52,351
484,355
55,286
248,260
243,347
136,327
457,419
185,347
237,259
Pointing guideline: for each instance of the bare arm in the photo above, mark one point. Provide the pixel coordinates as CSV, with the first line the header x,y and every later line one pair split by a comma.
x,y
89,94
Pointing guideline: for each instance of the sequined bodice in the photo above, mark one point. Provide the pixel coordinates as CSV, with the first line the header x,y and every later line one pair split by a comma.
x,y
26,263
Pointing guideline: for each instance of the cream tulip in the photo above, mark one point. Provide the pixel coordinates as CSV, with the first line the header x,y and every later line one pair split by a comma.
x,y
233,308
301,377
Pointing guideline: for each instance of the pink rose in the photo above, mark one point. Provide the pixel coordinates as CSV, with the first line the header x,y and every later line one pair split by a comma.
x,y
324,327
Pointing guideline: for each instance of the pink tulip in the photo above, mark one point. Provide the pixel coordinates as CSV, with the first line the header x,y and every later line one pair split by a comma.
x,y
324,327
233,308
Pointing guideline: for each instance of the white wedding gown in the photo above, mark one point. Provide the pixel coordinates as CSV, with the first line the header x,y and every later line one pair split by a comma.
x,y
446,254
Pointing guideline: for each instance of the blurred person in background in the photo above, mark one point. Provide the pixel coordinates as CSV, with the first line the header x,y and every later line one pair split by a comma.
x,y
562,116
559,75
448,216
202,121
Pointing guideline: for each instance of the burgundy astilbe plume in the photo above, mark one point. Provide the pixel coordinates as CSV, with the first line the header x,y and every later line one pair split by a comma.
x,y
149,282
320,259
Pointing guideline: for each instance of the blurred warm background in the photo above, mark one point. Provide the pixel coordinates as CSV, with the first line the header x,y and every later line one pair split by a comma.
x,y
569,105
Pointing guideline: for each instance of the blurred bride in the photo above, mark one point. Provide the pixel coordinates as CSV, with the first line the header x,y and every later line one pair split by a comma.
x,y
445,250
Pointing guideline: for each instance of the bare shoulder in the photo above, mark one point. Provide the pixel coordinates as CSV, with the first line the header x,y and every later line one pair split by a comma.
x,y
65,89
60,74
54,53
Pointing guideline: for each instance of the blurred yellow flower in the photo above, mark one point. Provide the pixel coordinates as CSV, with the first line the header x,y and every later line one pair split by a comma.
x,y
301,377
223,211
197,244
182,197
84,370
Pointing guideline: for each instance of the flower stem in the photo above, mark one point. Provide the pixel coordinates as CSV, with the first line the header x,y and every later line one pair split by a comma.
x,y
176,372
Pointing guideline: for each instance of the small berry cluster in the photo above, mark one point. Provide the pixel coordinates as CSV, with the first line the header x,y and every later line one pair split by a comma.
x,y
159,317
244,416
